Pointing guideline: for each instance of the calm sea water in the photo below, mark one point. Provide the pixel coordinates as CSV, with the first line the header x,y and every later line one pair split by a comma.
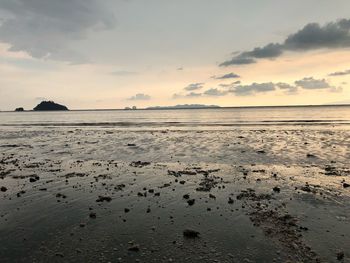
x,y
221,118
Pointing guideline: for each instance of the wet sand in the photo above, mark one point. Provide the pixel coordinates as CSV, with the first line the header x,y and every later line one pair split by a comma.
x,y
245,195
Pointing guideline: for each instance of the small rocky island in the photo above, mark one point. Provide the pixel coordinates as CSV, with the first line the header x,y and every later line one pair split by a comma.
x,y
50,106
19,109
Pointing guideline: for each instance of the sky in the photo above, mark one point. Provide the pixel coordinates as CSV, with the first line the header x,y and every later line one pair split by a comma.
x,y
91,54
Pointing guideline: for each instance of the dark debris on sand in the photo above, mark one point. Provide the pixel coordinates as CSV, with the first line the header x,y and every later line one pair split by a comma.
x,y
189,233
103,199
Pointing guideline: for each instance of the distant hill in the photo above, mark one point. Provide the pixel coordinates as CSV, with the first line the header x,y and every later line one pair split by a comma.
x,y
19,109
183,106
50,106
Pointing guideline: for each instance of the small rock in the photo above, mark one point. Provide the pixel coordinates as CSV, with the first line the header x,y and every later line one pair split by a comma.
x,y
61,195
230,200
212,196
276,189
104,198
92,215
3,189
340,255
309,155
34,178
134,248
189,233
59,254
186,196
191,202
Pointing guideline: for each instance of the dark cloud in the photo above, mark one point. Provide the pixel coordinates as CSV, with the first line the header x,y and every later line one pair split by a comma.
x,y
238,60
313,36
340,73
215,92
194,86
46,29
227,76
269,51
140,96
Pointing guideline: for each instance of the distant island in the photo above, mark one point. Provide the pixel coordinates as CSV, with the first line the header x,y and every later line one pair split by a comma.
x,y
19,109
50,106
183,106
130,108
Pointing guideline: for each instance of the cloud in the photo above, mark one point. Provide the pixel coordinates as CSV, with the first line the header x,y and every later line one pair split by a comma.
x,y
124,73
46,29
230,85
238,60
269,51
311,83
227,76
314,84
237,89
340,73
140,96
188,95
313,36
305,83
193,94
252,89
214,92
194,86
290,89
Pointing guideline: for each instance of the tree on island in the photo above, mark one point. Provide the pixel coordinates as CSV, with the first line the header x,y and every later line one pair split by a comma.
x,y
50,106
19,109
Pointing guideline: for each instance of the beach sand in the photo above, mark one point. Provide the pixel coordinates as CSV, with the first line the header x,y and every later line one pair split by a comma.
x,y
243,195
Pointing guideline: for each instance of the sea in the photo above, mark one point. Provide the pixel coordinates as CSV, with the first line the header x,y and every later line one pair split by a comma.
x,y
319,117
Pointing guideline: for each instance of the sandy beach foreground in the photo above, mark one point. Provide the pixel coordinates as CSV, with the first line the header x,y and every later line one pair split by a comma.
x,y
245,195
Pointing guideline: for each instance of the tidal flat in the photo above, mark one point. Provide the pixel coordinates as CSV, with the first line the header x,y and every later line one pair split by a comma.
x,y
106,195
